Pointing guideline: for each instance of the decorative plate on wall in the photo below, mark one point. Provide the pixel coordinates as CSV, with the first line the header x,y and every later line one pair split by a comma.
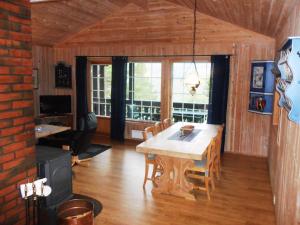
x,y
63,75
288,84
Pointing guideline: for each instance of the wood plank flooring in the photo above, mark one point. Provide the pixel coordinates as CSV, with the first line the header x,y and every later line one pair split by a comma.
x,y
115,177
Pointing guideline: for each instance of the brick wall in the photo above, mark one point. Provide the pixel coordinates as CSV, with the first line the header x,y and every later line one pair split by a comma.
x,y
16,108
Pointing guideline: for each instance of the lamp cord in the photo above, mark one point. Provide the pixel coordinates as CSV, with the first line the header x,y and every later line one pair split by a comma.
x,y
194,36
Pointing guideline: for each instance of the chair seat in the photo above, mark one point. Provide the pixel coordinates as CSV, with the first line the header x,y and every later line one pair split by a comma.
x,y
200,166
200,163
151,156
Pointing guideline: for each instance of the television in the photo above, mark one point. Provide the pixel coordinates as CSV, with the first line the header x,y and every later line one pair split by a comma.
x,y
55,104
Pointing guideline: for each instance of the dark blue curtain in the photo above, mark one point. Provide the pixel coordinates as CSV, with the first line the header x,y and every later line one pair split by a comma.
x,y
81,87
219,91
118,97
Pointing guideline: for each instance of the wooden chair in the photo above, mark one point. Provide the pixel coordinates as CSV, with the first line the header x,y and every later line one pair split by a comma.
x,y
203,170
149,158
167,123
217,158
158,127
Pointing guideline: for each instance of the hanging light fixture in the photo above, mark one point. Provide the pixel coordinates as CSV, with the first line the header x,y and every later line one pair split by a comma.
x,y
195,83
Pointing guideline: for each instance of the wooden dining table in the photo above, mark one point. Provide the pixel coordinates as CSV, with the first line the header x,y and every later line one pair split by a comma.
x,y
176,153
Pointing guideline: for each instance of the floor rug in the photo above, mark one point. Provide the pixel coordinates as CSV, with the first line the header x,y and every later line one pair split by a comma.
x,y
93,150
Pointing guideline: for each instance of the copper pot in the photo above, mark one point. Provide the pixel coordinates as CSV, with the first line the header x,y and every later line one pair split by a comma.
x,y
76,211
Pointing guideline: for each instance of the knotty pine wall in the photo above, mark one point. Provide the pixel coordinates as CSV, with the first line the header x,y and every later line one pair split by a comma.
x,y
43,60
284,154
166,29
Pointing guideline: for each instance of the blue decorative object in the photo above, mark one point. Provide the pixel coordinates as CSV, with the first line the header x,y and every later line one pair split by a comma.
x,y
289,84
261,87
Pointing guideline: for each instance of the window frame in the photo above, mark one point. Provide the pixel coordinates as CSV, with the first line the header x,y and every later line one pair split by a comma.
x,y
144,60
166,81
198,59
91,90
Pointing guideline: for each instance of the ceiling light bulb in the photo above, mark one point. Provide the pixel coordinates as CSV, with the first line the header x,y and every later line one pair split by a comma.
x,y
192,90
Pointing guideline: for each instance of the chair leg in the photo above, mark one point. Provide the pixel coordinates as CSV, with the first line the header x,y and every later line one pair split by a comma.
x,y
155,166
80,162
212,182
146,174
206,180
217,169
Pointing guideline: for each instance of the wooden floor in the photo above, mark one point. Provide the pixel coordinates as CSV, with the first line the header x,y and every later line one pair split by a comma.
x,y
115,178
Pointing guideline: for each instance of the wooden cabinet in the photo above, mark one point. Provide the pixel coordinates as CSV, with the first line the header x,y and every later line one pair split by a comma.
x,y
61,120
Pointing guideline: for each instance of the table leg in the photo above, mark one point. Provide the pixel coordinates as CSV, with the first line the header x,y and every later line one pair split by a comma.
x,y
164,181
181,187
173,180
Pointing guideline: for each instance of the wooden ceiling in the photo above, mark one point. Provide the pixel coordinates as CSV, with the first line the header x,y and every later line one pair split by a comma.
x,y
262,16
163,23
53,22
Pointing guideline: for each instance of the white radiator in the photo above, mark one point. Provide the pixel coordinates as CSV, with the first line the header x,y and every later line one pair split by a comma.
x,y
136,134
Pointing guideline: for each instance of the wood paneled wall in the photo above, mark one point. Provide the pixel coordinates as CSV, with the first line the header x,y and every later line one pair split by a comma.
x,y
247,133
43,60
284,154
165,29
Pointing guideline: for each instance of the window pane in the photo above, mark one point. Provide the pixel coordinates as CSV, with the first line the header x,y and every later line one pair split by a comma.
x,y
95,94
102,109
178,86
143,91
156,70
101,86
178,70
177,98
95,108
95,84
185,106
155,86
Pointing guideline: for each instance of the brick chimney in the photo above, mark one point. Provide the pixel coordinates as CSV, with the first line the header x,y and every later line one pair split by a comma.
x,y
17,151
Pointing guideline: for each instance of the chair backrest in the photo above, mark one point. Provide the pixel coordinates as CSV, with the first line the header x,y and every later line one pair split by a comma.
x,y
219,140
149,130
158,127
88,122
167,123
210,155
86,128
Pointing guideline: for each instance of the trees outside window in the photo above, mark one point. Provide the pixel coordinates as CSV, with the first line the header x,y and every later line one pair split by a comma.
x,y
143,91
186,107
101,89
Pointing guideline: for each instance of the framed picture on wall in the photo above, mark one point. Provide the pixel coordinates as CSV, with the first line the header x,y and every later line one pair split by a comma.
x,y
258,76
35,78
261,87
261,103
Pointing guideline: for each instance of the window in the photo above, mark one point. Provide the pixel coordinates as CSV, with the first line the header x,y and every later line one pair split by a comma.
x,y
186,107
101,89
143,91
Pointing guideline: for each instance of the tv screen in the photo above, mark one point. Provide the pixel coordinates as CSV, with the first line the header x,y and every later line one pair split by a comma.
x,y
55,104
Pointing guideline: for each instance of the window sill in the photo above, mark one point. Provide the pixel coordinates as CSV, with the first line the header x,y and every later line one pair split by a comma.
x,y
103,117
140,121
129,120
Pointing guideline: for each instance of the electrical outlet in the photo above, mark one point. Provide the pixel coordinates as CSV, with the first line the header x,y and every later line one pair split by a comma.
x,y
274,199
